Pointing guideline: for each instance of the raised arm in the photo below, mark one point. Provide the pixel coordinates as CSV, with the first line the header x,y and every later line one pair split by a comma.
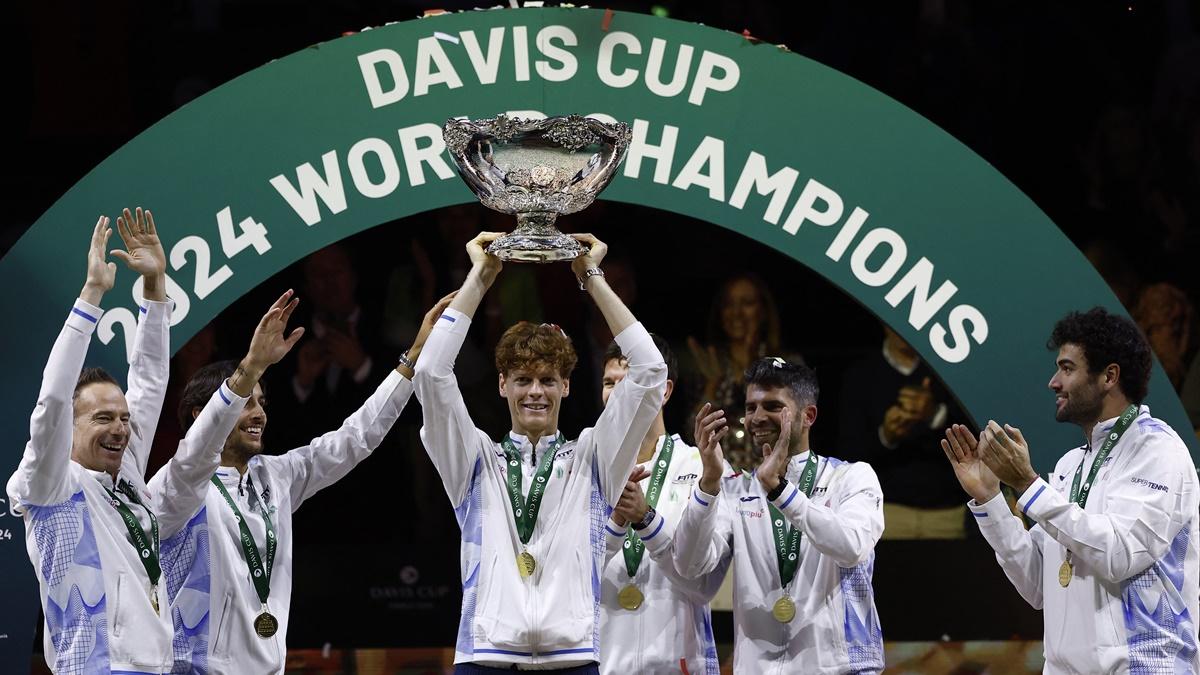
x,y
448,433
331,456
180,485
41,476
636,401
149,367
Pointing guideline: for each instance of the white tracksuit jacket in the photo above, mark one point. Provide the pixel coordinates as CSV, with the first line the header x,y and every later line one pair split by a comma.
x,y
94,588
836,628
673,623
213,599
1131,605
551,619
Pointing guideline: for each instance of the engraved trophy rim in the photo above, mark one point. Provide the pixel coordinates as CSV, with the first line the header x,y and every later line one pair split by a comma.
x,y
537,195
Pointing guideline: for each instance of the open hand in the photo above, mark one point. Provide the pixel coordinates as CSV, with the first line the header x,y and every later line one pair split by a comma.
x,y
101,274
711,427
143,250
962,449
268,345
775,458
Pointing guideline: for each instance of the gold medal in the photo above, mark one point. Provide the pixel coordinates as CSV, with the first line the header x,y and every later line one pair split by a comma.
x,y
154,598
265,624
526,564
630,598
1065,572
784,610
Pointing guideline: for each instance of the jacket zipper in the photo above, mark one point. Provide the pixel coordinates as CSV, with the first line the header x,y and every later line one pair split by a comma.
x,y
534,633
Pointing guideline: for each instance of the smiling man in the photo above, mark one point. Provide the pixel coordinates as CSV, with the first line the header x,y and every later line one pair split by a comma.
x,y
229,571
1112,557
801,533
91,525
532,506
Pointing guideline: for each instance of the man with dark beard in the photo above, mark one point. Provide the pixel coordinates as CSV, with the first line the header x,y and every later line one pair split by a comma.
x,y
1111,558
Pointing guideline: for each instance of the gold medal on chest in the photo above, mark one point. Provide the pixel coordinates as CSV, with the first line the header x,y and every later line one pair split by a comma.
x,y
526,564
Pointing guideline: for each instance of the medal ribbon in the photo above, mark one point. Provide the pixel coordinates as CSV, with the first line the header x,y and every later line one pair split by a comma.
x,y
1080,496
787,538
525,511
260,569
634,548
147,550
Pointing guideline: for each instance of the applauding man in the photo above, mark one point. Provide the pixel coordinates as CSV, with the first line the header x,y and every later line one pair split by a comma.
x,y
532,506
643,601
1112,557
801,532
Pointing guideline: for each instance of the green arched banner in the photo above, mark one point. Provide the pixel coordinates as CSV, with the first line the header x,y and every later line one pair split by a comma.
x,y
345,135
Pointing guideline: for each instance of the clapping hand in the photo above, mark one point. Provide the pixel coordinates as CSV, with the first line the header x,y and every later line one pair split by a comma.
x,y
775,458
711,427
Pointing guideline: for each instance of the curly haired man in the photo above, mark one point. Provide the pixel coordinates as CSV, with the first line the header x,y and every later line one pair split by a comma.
x,y
1111,559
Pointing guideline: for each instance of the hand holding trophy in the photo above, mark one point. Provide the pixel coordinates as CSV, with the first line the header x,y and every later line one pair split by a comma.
x,y
536,169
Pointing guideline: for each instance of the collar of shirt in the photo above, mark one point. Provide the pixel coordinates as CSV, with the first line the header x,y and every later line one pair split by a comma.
x,y
1104,426
795,467
102,477
525,448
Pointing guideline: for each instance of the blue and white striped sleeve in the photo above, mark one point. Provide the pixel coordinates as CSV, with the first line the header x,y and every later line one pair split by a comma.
x,y
42,476
702,539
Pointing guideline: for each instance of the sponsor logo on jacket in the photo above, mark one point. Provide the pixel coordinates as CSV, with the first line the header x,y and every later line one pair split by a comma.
x,y
1150,484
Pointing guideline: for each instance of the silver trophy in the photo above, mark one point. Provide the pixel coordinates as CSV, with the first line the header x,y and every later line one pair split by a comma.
x,y
536,169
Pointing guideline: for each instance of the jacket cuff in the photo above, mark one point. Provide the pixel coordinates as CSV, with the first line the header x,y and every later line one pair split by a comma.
x,y
790,495
155,310
84,316
614,532
444,342
1038,499
637,346
230,399
657,536
990,513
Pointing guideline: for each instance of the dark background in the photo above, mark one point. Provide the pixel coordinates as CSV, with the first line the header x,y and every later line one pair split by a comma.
x,y
1090,108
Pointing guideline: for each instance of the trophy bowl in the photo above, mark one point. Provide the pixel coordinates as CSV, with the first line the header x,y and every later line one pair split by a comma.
x,y
536,170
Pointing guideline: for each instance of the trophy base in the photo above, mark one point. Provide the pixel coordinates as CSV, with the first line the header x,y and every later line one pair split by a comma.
x,y
536,240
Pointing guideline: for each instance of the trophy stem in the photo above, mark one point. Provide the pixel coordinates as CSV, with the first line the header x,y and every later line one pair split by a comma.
x,y
536,240
536,224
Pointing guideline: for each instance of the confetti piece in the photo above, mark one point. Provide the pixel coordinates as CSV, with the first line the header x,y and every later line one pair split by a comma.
x,y
445,37
433,12
607,21
515,4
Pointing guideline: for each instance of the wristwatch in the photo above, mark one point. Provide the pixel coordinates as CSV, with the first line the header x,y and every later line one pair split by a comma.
x,y
404,361
774,494
590,272
646,520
